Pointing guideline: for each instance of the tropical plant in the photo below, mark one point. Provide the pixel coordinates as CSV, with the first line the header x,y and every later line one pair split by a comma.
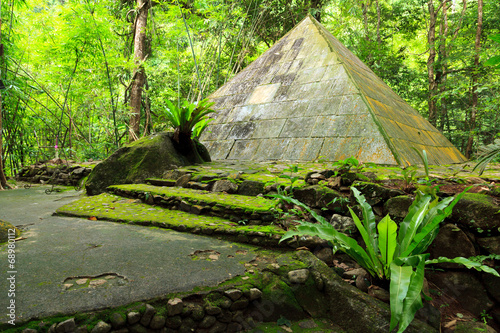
x,y
189,118
487,154
389,254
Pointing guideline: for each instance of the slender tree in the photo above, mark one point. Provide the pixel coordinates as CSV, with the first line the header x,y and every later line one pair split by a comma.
x,y
139,78
3,180
475,74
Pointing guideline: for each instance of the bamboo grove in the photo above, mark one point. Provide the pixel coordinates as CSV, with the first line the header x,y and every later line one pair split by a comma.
x,y
80,78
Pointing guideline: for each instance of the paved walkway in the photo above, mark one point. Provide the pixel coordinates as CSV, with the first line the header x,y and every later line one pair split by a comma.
x,y
67,265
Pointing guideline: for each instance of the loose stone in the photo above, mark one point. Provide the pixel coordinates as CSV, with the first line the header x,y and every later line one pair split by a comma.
x,y
174,306
133,317
101,327
298,276
148,315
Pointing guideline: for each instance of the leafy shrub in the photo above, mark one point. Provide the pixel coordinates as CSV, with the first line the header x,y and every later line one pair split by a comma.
x,y
388,254
189,119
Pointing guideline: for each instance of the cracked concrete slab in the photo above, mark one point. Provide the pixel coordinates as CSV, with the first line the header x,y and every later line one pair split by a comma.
x,y
119,263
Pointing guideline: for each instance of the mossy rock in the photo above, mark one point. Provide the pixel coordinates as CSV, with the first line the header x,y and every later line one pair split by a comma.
x,y
478,213
148,157
4,231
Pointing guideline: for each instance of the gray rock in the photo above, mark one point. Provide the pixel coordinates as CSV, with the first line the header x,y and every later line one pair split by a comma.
x,y
101,327
465,288
173,322
148,157
175,306
83,329
251,188
147,315
233,294
397,207
52,328
253,294
66,326
225,186
490,244
207,322
183,181
218,328
240,304
117,320
308,324
197,312
343,224
451,242
318,196
478,213
157,322
298,276
138,328
375,193
29,330
133,317
325,254
212,310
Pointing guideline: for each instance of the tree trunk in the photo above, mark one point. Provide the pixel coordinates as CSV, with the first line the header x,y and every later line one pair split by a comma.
x,y
477,47
139,77
3,179
431,39
365,19
443,56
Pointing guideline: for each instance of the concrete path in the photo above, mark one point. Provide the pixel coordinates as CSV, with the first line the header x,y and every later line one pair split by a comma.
x,y
68,265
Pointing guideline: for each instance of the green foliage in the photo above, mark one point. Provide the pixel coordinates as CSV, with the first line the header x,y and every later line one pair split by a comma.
x,y
495,60
189,118
389,254
487,154
292,177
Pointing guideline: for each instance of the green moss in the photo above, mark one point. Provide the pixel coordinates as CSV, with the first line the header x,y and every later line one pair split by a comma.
x,y
482,198
253,204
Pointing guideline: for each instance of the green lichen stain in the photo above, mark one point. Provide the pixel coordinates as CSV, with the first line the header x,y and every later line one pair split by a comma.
x,y
482,198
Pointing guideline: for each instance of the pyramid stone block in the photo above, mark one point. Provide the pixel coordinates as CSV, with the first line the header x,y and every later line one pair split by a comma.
x,y
307,98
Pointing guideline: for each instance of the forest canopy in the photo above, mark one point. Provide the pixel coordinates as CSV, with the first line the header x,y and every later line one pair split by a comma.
x,y
81,78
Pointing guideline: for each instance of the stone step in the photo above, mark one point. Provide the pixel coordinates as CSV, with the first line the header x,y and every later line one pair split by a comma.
x,y
112,207
236,208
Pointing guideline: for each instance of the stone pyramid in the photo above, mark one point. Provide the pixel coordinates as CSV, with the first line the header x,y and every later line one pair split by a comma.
x,y
307,98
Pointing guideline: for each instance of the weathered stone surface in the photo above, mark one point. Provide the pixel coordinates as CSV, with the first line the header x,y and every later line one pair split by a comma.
x,y
233,294
138,328
6,229
253,294
317,196
492,285
325,254
298,276
66,326
197,312
157,322
117,320
308,97
207,322
212,310
250,188
225,186
343,224
133,317
451,242
29,330
147,315
183,180
146,158
478,213
173,322
101,327
490,244
397,207
465,288
174,306
375,193
311,300
240,304
471,326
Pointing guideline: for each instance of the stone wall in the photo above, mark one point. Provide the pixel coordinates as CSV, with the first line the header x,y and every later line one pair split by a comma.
x,y
58,173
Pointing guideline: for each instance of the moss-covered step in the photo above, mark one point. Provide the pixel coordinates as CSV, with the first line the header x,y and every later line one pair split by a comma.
x,y
251,210
115,208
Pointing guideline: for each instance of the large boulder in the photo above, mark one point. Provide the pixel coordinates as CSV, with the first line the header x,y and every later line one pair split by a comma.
x,y
7,230
145,158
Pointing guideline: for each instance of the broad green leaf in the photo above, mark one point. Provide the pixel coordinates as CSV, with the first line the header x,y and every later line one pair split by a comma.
x,y
413,300
411,223
466,262
493,61
387,231
398,288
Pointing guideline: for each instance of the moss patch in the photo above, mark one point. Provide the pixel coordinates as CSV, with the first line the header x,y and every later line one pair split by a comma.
x,y
114,208
229,201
